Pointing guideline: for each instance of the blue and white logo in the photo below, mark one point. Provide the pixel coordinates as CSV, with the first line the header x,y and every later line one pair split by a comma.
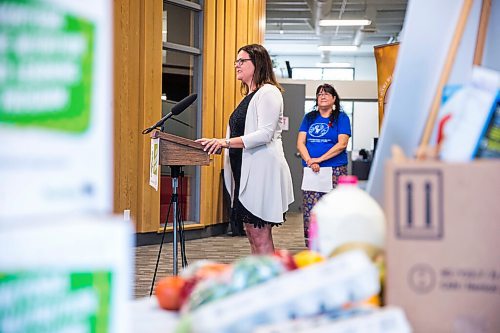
x,y
318,130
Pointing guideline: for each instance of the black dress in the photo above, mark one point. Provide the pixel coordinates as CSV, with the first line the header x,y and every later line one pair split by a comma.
x,y
239,214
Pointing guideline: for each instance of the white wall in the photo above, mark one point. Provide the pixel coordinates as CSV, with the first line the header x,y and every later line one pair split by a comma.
x,y
365,68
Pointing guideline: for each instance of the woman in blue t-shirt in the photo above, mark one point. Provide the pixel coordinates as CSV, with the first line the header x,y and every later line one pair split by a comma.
x,y
322,141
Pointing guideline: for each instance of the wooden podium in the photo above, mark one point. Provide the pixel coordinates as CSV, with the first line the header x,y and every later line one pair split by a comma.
x,y
176,152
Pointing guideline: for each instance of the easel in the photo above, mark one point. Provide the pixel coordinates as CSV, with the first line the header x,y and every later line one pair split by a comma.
x,y
432,54
423,149
429,205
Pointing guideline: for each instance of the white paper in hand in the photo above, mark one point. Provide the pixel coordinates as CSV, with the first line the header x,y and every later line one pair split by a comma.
x,y
318,182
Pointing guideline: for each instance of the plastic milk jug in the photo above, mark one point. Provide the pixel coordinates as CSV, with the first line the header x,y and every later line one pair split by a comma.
x,y
346,216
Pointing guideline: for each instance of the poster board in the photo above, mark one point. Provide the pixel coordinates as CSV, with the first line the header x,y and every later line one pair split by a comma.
x,y
56,115
71,275
421,58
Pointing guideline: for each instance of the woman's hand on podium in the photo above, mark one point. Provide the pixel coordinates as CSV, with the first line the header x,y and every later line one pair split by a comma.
x,y
212,146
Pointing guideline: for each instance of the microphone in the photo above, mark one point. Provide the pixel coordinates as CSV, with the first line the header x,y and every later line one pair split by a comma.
x,y
176,110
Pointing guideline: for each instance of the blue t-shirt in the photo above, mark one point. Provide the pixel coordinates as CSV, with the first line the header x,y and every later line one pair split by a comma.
x,y
320,137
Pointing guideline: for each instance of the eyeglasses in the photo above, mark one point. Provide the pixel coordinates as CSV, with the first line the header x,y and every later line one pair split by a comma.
x,y
240,62
323,94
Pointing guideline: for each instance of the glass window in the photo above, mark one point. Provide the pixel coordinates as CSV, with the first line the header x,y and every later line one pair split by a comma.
x,y
299,73
310,103
179,25
316,73
339,74
365,124
348,107
178,75
180,68
181,77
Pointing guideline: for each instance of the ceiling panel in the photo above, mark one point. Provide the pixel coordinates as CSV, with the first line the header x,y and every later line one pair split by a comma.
x,y
292,23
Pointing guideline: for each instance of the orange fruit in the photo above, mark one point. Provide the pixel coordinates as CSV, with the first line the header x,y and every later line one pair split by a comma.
x,y
211,270
307,257
168,292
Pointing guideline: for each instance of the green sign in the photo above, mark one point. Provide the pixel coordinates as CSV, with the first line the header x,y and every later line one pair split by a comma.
x,y
46,66
39,302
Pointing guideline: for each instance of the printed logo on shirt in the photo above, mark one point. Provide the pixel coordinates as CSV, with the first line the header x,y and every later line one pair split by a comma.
x,y
317,130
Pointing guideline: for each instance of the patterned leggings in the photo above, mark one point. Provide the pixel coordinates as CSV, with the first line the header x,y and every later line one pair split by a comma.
x,y
311,197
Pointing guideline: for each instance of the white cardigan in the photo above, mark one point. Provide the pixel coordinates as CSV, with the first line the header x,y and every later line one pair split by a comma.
x,y
266,183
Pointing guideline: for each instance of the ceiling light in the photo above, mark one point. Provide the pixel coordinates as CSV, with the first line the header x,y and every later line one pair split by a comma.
x,y
345,48
334,64
332,23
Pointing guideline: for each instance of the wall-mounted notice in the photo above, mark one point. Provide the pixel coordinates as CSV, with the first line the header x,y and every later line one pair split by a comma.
x,y
55,107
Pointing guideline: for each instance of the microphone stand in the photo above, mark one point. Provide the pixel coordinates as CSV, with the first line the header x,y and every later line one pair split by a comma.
x,y
175,172
176,110
162,124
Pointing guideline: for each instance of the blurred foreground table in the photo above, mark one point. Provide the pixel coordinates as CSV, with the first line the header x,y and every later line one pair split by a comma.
x,y
146,316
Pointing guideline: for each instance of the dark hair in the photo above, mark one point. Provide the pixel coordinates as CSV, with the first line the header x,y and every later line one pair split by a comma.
x,y
335,113
263,67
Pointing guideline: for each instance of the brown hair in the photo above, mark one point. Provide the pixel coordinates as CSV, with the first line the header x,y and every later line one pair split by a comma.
x,y
335,112
263,67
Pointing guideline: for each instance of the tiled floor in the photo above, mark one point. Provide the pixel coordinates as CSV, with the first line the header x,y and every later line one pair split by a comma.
x,y
223,249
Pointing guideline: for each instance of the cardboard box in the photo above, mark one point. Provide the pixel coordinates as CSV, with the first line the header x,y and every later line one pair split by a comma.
x,y
443,244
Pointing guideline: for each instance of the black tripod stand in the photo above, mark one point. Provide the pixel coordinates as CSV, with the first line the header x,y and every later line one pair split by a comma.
x,y
175,152
176,173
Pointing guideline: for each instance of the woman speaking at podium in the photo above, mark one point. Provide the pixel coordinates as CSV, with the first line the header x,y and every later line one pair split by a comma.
x,y
255,170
